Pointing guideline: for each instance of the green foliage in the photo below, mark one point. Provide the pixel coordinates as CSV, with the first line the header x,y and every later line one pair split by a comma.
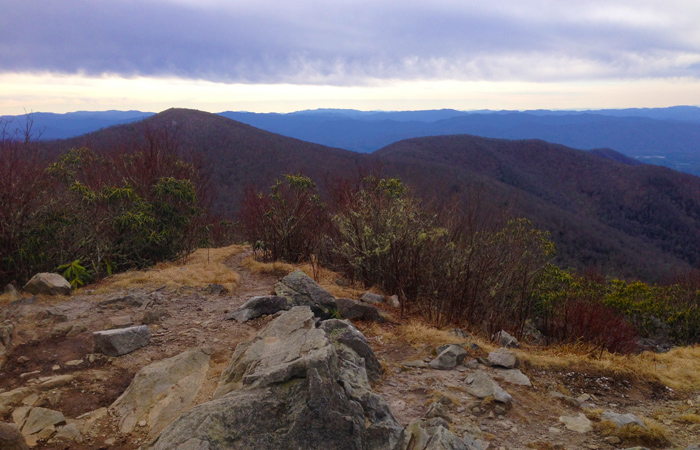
x,y
76,274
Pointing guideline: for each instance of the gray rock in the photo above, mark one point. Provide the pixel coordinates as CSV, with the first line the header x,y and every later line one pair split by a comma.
x,y
301,290
449,358
40,418
154,315
6,337
122,340
216,289
393,301
11,438
344,333
49,284
513,376
622,419
480,385
434,434
416,364
565,398
123,301
369,297
579,424
290,387
503,358
505,339
258,306
68,432
693,447
161,391
350,309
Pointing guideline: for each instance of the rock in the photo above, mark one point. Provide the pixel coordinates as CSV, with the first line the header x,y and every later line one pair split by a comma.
x,y
503,358
570,400
14,396
216,289
434,434
161,391
301,290
370,297
123,301
460,333
120,322
40,418
693,447
505,340
393,301
47,383
622,419
480,385
49,284
11,438
290,387
21,302
5,337
69,432
513,376
417,364
350,309
258,306
122,340
344,333
11,290
154,315
449,358
612,440
579,424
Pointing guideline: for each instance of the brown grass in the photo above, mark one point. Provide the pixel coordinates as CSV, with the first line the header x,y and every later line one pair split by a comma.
x,y
688,418
201,268
275,268
653,435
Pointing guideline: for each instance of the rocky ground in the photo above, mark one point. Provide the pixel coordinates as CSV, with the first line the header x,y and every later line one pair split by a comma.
x,y
64,395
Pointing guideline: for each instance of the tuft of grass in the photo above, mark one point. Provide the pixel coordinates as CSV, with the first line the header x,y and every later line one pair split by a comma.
x,y
593,413
276,268
688,418
201,268
543,445
653,435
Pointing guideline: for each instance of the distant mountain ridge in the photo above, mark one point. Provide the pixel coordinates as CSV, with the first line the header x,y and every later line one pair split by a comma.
x,y
601,208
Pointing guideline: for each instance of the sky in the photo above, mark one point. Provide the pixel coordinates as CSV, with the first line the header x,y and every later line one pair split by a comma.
x,y
281,56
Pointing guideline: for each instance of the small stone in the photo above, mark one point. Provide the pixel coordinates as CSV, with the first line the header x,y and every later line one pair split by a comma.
x,y
122,341
370,297
120,321
22,360
55,367
69,432
142,423
74,362
503,358
505,339
579,424
613,440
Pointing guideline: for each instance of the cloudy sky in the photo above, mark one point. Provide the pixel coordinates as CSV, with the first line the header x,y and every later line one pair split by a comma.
x,y
274,55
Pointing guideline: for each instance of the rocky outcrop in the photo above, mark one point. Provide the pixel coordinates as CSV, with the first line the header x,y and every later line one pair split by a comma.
x,y
503,358
11,438
293,386
122,340
435,434
449,357
48,284
504,339
301,290
258,306
161,391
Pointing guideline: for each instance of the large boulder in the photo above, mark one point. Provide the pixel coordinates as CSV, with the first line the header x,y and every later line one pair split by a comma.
x,y
288,388
353,310
449,357
503,358
258,306
49,284
301,290
122,340
342,332
161,391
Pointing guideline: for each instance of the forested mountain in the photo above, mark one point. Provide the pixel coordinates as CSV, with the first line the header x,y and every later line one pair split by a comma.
x,y
602,209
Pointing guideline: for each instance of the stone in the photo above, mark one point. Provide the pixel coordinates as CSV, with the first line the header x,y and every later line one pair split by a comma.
x,y
393,301
292,386
122,340
41,418
48,284
344,333
504,339
216,289
565,398
353,310
480,385
47,383
11,438
161,391
579,424
154,315
449,358
123,301
258,306
120,322
14,396
513,376
503,358
5,337
74,362
434,434
69,432
301,290
370,297
622,419
417,364
612,440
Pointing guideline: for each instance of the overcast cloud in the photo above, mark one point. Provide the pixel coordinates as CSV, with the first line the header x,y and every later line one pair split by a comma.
x,y
353,42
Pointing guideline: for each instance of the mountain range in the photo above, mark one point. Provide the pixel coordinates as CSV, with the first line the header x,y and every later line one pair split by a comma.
x,y
602,208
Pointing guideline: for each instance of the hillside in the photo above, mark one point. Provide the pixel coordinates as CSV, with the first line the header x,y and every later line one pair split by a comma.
x,y
630,220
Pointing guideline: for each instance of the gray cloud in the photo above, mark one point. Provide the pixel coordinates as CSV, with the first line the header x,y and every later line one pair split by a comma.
x,y
353,42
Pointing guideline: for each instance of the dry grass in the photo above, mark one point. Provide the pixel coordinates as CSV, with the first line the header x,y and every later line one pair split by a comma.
x,y
679,369
327,279
275,268
203,267
688,418
653,435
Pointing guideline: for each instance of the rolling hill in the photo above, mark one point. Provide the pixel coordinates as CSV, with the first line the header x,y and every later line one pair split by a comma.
x,y
602,209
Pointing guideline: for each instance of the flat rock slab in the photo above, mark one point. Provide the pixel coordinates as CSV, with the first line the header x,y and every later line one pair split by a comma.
x,y
353,310
579,424
503,358
40,418
259,306
513,376
48,284
369,297
121,341
480,385
623,419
